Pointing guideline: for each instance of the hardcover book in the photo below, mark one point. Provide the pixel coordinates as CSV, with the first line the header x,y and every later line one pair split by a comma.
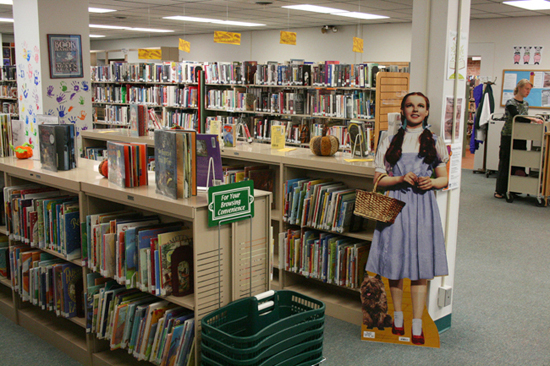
x,y
182,271
168,243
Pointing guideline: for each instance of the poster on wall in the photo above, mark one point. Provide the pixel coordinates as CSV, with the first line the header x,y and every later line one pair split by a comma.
x,y
449,107
527,55
453,54
454,165
65,53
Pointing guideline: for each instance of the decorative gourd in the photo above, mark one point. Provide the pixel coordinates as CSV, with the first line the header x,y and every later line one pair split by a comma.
x,y
326,145
104,168
23,152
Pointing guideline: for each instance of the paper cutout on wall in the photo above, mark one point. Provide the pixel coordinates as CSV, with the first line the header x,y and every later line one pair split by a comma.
x,y
527,55
184,46
148,54
227,37
288,38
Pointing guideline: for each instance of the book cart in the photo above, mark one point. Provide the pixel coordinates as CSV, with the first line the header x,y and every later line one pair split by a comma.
x,y
228,276
342,303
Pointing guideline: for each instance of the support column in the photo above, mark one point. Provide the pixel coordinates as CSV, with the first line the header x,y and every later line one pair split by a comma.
x,y
440,32
39,93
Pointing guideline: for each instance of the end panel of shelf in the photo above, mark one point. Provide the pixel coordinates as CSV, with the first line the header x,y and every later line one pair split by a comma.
x,y
7,307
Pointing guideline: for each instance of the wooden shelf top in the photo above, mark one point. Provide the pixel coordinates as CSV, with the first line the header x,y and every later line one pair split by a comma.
x,y
5,281
119,134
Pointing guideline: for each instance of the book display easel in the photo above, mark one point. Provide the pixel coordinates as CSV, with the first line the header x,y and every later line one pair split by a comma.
x,y
341,302
222,268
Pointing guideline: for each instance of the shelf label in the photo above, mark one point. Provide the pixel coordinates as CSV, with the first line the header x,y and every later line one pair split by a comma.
x,y
357,45
288,38
227,37
230,202
184,46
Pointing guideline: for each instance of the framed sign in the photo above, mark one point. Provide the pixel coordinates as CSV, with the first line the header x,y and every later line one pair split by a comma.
x,y
65,53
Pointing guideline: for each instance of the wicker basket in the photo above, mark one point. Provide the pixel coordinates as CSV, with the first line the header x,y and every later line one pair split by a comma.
x,y
377,206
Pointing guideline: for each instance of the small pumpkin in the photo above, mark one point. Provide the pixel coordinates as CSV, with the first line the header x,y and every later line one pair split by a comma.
x,y
24,151
104,168
325,145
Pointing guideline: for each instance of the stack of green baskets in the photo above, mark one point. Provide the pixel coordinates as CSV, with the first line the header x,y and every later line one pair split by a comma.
x,y
272,329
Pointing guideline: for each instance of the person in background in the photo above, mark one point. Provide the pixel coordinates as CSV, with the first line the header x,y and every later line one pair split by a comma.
x,y
413,247
515,106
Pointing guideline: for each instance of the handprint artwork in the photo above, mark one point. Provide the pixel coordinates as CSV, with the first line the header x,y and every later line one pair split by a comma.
x,y
63,86
81,100
72,119
61,111
85,86
82,116
60,98
76,85
50,91
50,112
36,77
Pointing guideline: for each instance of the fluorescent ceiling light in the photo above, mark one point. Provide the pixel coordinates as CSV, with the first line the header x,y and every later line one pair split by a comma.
x,y
530,5
190,19
100,10
9,20
313,8
102,26
150,30
244,24
6,2
96,36
215,21
354,14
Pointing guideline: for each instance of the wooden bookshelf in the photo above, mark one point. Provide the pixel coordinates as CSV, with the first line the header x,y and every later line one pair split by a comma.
x,y
97,194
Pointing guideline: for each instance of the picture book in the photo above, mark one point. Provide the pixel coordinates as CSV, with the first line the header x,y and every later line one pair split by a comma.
x,y
167,243
48,149
166,172
182,270
208,149
229,134
117,170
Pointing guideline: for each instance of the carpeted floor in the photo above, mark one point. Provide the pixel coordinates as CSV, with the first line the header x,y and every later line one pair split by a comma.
x,y
501,307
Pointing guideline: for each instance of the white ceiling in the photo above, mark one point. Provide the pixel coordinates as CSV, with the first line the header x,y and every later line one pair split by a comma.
x,y
149,13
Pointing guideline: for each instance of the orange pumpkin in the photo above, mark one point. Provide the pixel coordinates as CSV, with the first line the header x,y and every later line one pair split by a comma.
x,y
23,152
104,168
326,145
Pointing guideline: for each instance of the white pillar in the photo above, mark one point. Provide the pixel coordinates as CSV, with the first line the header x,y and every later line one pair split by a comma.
x,y
39,93
434,24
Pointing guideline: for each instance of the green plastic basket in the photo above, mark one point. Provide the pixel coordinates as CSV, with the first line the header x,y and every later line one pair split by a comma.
x,y
299,342
287,357
244,323
316,325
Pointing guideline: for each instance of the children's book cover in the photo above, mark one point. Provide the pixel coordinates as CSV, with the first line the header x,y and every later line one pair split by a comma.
x,y
166,174
168,242
229,133
48,151
182,271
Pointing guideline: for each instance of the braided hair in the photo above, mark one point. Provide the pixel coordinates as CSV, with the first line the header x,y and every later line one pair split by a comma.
x,y
427,143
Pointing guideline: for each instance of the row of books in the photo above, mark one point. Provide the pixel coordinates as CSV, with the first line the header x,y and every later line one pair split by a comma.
x,y
8,73
327,103
47,281
295,73
262,176
175,72
4,256
327,257
150,329
158,95
294,133
57,146
8,91
95,153
127,164
10,108
320,204
171,118
141,252
44,218
6,136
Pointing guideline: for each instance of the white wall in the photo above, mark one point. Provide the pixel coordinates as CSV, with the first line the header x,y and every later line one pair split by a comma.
x,y
384,42
494,39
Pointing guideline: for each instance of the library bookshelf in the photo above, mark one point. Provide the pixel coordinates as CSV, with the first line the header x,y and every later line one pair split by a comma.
x,y
221,258
342,303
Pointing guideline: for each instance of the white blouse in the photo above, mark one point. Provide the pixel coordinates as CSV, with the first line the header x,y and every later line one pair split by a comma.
x,y
411,144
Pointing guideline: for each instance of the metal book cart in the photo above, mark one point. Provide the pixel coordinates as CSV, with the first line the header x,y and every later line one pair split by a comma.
x,y
531,159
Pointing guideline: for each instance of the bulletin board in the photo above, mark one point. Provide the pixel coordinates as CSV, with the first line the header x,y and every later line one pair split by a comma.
x,y
540,94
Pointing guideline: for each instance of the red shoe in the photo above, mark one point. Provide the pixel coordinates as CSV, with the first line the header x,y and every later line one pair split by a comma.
x,y
398,331
418,339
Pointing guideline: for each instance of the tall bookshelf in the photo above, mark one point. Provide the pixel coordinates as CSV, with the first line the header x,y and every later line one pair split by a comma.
x,y
213,277
342,303
8,91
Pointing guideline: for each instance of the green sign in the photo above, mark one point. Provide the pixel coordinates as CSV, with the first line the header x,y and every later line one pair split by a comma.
x,y
230,202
